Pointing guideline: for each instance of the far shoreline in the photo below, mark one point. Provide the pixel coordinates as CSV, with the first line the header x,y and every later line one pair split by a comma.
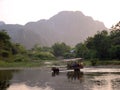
x,y
49,68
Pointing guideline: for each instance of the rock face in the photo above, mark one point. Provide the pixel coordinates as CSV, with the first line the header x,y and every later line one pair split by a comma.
x,y
67,26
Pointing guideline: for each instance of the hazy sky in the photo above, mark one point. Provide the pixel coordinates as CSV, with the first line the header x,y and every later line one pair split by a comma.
x,y
23,11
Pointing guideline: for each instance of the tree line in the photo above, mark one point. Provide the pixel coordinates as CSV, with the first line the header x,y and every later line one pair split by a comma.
x,y
103,45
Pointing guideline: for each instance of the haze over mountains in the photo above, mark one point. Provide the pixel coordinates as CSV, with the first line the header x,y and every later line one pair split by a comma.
x,y
67,26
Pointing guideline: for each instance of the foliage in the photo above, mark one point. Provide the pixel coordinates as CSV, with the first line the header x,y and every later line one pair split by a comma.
x,y
94,62
18,49
20,58
5,45
60,49
69,55
4,36
41,53
44,56
38,48
9,50
81,50
115,52
102,45
21,64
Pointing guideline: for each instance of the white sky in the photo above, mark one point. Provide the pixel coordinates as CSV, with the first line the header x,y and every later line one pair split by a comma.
x,y
23,11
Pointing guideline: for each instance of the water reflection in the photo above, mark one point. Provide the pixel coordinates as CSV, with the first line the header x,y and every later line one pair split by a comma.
x,y
106,82
25,87
73,75
42,80
5,77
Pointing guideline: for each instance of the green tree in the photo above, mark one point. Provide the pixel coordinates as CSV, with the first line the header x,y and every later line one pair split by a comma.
x,y
4,36
115,52
59,49
81,50
100,44
4,40
18,49
115,41
8,50
5,45
115,36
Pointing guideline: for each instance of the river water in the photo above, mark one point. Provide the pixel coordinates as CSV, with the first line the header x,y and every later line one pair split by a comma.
x,y
42,79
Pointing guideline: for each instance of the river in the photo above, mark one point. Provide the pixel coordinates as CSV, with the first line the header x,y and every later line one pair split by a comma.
x,y
42,79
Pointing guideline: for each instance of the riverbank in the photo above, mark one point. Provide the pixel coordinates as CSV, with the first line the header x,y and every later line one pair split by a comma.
x,y
101,62
29,64
47,63
20,64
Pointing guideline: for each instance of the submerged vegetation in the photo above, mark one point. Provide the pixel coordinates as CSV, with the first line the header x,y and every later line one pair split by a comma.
x,y
100,48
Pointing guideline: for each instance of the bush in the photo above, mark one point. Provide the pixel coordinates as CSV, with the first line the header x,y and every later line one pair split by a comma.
x,y
45,56
19,58
94,62
69,55
5,54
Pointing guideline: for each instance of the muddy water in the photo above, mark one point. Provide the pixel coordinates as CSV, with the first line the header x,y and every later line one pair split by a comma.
x,y
38,79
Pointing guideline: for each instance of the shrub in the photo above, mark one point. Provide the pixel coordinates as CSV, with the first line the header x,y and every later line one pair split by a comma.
x,y
45,56
5,54
94,62
19,58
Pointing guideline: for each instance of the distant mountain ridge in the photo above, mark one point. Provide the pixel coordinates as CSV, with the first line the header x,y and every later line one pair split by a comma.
x,y
66,26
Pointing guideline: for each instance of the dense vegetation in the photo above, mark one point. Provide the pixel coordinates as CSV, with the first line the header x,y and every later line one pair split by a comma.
x,y
104,45
8,50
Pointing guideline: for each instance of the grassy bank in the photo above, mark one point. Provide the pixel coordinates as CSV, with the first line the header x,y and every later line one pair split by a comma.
x,y
40,63
21,64
95,62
